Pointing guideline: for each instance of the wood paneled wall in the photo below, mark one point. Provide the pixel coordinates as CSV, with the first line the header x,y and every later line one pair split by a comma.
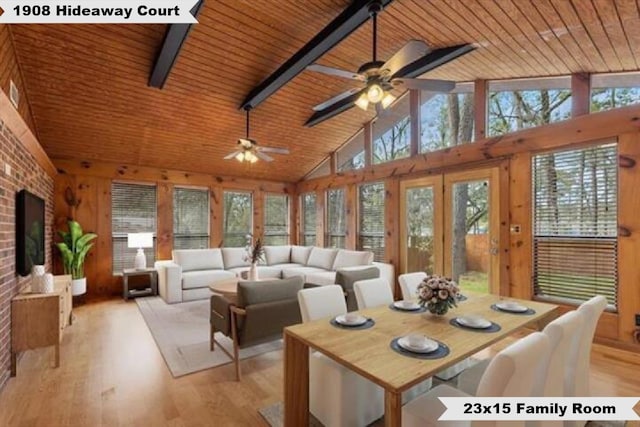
x,y
513,152
83,192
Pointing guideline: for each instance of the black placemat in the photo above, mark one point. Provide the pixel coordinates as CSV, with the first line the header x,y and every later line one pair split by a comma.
x,y
493,328
366,325
441,352
529,311
420,310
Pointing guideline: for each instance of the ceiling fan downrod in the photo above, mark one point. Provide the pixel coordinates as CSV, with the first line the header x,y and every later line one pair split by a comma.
x,y
374,9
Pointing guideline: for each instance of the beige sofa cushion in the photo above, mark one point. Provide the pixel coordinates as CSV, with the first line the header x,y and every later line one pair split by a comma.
x,y
277,254
234,257
264,272
345,258
322,258
321,278
204,278
198,259
300,254
300,271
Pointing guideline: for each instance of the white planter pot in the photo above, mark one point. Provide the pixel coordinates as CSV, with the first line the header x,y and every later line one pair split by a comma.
x,y
79,286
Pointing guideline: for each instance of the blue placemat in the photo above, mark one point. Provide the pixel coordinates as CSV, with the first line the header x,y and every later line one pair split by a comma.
x,y
493,328
529,311
366,325
419,310
441,352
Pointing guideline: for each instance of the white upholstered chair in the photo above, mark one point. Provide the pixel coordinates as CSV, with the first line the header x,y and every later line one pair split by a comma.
x,y
337,396
374,293
512,373
409,283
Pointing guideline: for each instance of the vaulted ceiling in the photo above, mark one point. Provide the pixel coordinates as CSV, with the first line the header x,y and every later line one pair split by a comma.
x,y
87,84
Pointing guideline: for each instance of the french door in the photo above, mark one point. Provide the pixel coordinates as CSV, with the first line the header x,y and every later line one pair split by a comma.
x,y
450,225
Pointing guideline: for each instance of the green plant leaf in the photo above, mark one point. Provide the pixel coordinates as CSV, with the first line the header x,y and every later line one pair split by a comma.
x,y
76,232
82,241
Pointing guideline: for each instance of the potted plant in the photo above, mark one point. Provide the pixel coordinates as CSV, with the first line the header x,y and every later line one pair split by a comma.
x,y
74,248
255,254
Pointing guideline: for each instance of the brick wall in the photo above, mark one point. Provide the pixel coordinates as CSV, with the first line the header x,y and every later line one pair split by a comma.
x,y
25,174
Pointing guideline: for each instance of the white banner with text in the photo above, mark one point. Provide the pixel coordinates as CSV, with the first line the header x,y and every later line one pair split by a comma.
x,y
539,408
97,12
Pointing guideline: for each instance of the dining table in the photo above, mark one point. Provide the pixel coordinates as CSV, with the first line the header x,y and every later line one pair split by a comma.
x,y
369,352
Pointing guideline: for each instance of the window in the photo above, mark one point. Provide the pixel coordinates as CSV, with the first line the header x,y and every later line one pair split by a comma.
x,y
614,91
336,227
446,119
371,219
526,103
276,219
133,210
190,218
575,224
392,133
308,209
351,155
238,214
323,169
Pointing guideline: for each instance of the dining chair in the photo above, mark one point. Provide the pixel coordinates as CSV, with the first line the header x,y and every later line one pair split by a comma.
x,y
511,373
374,293
409,283
337,395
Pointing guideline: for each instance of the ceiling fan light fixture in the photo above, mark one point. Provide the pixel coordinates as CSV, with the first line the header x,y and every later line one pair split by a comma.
x,y
240,157
375,93
387,100
363,102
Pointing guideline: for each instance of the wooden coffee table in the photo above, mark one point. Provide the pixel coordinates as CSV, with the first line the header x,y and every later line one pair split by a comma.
x,y
228,288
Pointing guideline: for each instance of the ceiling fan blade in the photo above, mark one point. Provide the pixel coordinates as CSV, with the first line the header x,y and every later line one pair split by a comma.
x,y
410,52
335,72
336,99
263,156
273,150
425,84
232,155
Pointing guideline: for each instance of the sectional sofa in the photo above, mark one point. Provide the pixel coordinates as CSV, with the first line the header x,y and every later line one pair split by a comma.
x,y
188,275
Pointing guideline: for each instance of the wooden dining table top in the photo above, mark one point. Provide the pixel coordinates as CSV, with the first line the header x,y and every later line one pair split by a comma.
x,y
368,351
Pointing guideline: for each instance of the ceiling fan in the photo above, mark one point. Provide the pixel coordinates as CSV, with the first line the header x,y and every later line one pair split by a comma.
x,y
378,79
249,150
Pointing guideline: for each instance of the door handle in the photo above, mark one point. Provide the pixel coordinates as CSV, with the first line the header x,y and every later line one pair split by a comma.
x,y
494,249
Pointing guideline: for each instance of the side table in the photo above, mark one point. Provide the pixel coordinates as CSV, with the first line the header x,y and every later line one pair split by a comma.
x,y
132,293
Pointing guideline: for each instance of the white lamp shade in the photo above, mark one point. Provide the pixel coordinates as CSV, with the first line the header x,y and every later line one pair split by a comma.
x,y
140,240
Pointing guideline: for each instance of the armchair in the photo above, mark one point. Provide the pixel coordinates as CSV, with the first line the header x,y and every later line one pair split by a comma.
x,y
263,310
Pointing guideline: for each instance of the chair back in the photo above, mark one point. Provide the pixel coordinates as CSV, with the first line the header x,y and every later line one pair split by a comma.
x,y
564,337
348,277
409,283
372,293
321,302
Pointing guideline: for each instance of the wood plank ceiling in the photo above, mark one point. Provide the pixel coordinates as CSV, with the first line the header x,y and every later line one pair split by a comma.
x,y
87,84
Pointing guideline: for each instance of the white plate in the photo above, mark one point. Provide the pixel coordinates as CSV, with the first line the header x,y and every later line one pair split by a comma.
x,y
360,320
475,322
428,345
513,307
411,305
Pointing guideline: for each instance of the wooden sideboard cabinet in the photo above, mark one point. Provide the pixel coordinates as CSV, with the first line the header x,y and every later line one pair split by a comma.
x,y
38,320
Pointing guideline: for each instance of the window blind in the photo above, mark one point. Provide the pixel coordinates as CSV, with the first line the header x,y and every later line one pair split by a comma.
x,y
336,228
308,234
371,219
276,219
575,224
133,210
190,218
238,214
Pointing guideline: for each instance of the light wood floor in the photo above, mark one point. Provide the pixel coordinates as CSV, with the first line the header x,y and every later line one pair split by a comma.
x,y
112,374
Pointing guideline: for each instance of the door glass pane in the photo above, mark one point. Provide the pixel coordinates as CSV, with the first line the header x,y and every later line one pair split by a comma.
x,y
419,234
471,243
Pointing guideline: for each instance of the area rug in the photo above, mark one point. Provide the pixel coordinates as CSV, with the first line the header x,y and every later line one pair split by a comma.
x,y
181,332
274,416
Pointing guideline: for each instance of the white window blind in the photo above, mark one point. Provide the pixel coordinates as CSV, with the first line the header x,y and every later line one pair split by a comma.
x,y
308,209
575,224
238,214
371,219
190,218
336,227
133,210
276,219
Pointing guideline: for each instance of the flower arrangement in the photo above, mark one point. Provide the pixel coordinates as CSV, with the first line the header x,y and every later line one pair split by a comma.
x,y
438,294
255,252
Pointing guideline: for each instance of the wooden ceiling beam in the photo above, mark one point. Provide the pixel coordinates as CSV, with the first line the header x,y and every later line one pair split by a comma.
x,y
342,26
168,54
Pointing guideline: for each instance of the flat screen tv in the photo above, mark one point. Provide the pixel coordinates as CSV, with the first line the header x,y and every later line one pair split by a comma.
x,y
29,232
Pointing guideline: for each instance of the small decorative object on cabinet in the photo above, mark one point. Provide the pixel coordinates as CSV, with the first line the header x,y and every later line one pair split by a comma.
x,y
74,248
38,320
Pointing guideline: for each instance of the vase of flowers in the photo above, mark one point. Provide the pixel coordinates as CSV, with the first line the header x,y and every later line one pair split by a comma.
x,y
255,254
438,294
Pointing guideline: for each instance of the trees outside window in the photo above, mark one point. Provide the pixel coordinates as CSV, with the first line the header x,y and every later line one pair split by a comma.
x,y
237,221
614,90
276,219
444,117
190,218
308,234
371,225
336,225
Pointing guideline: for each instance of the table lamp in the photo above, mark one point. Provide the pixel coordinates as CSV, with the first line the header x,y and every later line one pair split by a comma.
x,y
140,241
